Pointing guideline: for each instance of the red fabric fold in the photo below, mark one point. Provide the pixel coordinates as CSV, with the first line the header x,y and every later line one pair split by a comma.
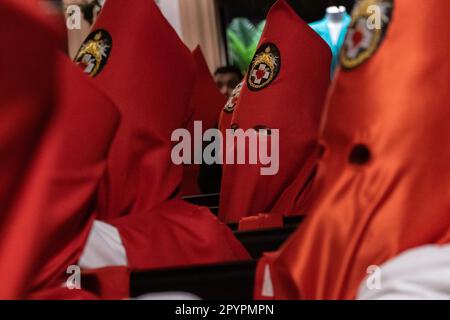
x,y
51,215
177,233
26,110
73,159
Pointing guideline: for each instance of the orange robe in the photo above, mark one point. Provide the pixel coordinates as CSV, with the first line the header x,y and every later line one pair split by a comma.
x,y
383,184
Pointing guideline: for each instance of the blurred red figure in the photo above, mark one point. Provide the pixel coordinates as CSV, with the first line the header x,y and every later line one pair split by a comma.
x,y
26,108
62,170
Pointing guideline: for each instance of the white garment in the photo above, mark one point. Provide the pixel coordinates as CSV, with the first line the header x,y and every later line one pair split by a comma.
x,y
418,274
103,248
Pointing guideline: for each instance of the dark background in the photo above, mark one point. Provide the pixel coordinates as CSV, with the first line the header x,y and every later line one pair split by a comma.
x,y
256,10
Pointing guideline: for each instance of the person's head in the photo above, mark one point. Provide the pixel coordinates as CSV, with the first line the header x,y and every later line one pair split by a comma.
x,y
227,78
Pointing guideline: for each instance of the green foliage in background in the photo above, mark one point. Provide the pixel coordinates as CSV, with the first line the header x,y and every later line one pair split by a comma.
x,y
243,38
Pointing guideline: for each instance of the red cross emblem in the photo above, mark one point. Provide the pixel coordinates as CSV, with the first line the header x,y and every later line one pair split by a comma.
x,y
265,67
261,73
363,39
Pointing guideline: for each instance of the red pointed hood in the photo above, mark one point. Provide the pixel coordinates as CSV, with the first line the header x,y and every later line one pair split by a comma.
x,y
139,61
285,89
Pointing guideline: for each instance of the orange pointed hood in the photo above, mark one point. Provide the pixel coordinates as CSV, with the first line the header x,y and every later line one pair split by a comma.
x,y
383,184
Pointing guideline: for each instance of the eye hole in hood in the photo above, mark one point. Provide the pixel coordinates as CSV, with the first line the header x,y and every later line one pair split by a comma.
x,y
360,155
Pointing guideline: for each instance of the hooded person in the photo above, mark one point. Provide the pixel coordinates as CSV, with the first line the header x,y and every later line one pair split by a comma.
x,y
53,206
207,102
225,118
282,98
135,56
226,115
383,184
